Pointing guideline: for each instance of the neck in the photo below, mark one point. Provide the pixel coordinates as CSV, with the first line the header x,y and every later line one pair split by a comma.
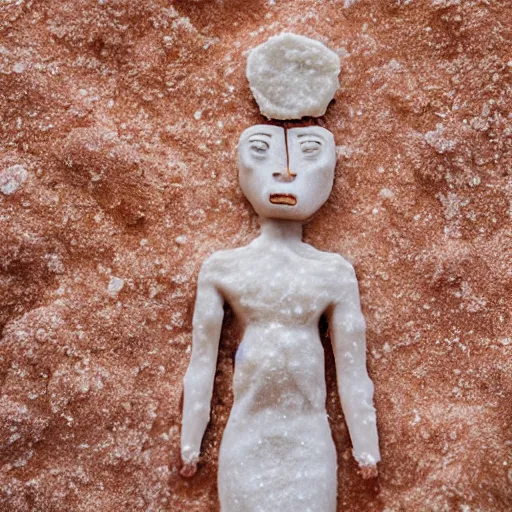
x,y
284,230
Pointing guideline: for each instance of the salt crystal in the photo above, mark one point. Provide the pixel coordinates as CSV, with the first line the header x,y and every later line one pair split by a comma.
x,y
292,76
54,264
115,285
385,192
12,178
19,67
436,139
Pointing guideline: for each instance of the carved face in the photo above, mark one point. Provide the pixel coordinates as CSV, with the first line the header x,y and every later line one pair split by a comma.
x,y
286,174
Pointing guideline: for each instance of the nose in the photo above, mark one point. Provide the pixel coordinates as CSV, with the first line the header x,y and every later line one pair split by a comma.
x,y
284,176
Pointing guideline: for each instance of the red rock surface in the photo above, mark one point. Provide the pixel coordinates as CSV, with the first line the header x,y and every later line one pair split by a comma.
x,y
124,118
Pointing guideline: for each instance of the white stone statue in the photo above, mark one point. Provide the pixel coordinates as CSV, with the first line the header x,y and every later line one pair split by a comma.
x,y
277,453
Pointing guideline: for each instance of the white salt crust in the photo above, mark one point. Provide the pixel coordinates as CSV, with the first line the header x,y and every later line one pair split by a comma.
x,y
12,179
292,76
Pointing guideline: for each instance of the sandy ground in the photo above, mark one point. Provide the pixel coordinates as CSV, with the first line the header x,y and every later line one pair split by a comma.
x,y
118,130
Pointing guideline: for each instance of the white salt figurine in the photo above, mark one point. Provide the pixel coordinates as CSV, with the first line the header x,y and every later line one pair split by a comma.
x,y
277,452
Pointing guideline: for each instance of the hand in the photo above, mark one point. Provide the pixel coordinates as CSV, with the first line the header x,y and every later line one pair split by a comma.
x,y
188,470
368,472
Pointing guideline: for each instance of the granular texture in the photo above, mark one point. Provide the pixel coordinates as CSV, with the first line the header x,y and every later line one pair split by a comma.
x,y
118,177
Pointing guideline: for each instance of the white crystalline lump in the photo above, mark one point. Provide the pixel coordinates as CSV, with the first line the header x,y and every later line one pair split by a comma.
x,y
292,76
115,285
12,178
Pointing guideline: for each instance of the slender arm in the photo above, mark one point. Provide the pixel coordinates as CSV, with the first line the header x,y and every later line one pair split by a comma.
x,y
199,378
347,327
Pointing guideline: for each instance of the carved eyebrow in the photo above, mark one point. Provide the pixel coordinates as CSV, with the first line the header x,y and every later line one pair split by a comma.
x,y
309,135
265,134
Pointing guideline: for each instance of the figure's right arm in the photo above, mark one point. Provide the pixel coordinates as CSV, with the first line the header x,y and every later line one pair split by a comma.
x,y
199,378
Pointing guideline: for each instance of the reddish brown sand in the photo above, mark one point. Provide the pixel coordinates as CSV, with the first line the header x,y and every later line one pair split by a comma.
x,y
123,116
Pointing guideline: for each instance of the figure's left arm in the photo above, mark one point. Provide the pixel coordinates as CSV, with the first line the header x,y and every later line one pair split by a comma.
x,y
347,327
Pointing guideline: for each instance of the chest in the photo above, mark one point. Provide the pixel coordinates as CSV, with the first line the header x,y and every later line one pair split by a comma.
x,y
278,286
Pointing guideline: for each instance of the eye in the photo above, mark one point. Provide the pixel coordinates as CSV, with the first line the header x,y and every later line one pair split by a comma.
x,y
310,147
258,146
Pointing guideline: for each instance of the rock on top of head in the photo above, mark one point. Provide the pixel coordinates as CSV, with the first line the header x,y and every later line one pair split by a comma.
x,y
292,76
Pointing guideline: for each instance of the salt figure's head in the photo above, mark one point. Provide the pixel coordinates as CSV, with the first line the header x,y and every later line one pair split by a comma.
x,y
286,173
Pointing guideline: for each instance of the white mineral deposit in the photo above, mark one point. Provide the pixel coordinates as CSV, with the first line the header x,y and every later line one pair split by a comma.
x,y
292,76
277,452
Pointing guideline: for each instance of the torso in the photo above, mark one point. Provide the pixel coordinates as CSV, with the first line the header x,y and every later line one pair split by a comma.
x,y
278,435
279,293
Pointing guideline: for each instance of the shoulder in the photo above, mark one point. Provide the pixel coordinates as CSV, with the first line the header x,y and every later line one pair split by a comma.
x,y
343,267
342,284
344,279
219,263
337,264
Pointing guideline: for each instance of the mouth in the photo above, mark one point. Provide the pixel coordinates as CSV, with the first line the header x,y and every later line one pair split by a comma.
x,y
288,199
